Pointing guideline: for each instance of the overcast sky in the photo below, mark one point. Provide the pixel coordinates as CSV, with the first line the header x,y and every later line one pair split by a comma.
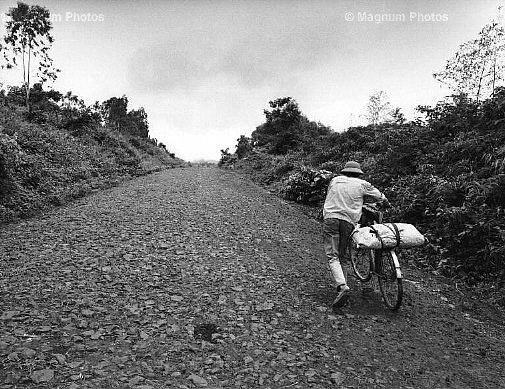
x,y
205,70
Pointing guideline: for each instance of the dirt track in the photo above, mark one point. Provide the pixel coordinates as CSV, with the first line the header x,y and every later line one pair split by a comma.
x,y
198,278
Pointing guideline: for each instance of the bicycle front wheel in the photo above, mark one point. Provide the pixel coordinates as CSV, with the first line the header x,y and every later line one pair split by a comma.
x,y
390,282
361,260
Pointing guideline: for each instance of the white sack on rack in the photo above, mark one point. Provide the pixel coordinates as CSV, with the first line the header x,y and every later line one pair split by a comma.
x,y
368,237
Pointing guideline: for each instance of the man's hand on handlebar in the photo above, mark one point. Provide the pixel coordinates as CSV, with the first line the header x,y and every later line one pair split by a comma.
x,y
386,204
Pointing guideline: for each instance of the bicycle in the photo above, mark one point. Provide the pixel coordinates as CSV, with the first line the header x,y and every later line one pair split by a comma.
x,y
383,263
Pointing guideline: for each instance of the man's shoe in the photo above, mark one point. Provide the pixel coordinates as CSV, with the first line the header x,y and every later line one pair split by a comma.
x,y
342,297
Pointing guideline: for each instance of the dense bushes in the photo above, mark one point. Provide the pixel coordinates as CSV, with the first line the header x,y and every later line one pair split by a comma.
x,y
306,185
445,174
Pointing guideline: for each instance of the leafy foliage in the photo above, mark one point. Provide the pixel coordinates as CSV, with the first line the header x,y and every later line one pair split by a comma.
x,y
306,185
445,174
70,112
59,150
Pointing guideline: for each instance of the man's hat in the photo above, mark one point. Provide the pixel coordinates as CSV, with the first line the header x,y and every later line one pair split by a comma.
x,y
352,167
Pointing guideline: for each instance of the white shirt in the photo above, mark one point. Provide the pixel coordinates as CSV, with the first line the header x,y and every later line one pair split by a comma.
x,y
344,199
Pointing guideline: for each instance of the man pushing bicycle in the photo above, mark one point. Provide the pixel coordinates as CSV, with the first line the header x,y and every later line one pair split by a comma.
x,y
341,213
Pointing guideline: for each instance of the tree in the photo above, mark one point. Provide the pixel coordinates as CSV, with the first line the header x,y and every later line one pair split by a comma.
x,y
115,115
378,108
44,104
114,112
281,131
478,66
244,146
397,116
284,108
28,38
71,105
137,123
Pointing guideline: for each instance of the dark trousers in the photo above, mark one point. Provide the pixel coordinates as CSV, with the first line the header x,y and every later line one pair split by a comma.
x,y
336,233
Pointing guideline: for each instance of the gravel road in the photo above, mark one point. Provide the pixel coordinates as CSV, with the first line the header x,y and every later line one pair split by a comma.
x,y
198,278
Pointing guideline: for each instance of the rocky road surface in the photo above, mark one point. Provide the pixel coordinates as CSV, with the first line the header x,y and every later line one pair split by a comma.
x,y
198,278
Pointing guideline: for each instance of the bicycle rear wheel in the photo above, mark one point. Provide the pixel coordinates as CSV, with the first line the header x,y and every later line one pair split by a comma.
x,y
389,282
361,260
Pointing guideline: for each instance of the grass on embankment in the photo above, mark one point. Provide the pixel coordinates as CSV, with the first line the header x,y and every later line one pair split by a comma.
x,y
42,165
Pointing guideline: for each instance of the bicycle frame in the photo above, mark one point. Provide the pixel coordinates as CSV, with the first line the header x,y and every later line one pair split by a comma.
x,y
395,261
383,263
370,220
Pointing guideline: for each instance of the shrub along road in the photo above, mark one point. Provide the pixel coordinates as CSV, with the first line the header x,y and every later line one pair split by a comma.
x,y
198,278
